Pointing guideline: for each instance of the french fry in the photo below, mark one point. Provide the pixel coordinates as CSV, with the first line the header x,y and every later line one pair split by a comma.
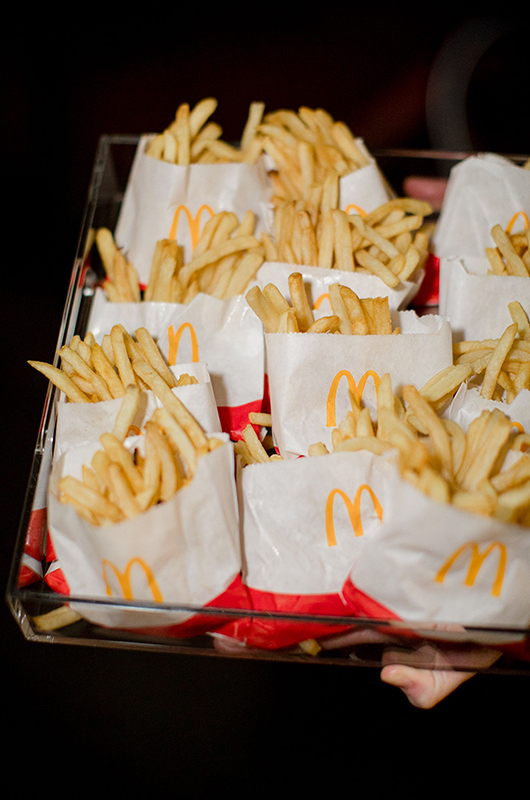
x,y
173,405
353,309
97,503
62,381
127,412
496,360
263,309
170,477
257,451
121,357
118,454
300,303
153,356
514,264
329,324
179,438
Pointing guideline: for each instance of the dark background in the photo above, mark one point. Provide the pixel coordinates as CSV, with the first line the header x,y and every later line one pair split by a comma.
x,y
399,76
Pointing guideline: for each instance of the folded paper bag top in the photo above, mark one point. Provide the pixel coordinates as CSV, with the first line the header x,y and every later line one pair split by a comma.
x,y
483,191
477,302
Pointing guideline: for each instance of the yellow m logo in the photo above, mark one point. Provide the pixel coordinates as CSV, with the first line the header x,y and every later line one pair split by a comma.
x,y
355,209
354,511
318,302
356,390
134,430
194,223
477,559
174,340
124,579
526,221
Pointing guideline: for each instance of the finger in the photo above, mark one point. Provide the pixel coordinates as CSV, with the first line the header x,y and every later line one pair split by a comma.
x,y
352,638
424,688
430,189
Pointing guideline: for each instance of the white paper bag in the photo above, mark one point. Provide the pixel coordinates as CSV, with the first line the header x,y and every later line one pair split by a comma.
x,y
477,303
168,201
365,189
318,280
81,423
309,374
302,522
482,191
431,562
182,552
104,314
467,404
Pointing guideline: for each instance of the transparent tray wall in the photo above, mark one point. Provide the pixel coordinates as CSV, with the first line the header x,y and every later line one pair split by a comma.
x,y
45,615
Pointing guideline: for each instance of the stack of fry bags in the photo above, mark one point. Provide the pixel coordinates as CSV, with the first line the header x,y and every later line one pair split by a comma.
x,y
150,519
482,191
487,201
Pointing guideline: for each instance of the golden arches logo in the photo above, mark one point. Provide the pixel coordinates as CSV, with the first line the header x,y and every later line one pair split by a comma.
x,y
354,511
194,223
318,302
174,341
526,221
134,430
124,579
518,427
477,559
356,209
356,389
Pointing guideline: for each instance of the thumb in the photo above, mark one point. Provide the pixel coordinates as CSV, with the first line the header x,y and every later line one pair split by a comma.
x,y
424,688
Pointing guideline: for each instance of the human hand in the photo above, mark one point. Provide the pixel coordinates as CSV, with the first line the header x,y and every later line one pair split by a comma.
x,y
426,188
428,673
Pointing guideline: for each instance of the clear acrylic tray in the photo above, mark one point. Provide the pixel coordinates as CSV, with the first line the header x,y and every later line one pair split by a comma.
x,y
43,614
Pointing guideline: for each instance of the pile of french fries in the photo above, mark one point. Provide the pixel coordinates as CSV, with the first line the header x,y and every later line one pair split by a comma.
x,y
122,284
351,315
391,242
120,484
511,254
437,456
225,260
308,149
499,368
193,139
253,450
90,372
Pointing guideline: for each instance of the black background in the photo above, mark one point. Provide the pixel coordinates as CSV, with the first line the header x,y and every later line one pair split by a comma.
x,y
75,714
